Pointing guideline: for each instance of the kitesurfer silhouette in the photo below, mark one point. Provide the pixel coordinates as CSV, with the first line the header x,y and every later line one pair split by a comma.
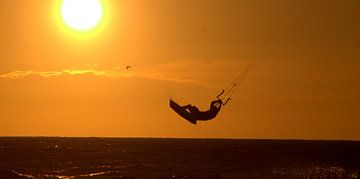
x,y
193,114
215,107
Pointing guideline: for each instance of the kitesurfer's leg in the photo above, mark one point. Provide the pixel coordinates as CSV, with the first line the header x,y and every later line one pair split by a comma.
x,y
187,107
194,110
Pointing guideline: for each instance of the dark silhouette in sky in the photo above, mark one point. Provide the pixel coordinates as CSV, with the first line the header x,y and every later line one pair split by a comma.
x,y
193,114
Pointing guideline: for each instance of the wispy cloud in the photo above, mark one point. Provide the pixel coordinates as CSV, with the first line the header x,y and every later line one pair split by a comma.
x,y
200,72
115,73
47,74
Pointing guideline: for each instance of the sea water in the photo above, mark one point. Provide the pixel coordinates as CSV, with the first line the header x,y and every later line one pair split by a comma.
x,y
56,157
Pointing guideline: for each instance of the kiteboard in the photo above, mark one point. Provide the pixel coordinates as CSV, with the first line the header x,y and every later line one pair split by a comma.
x,y
182,112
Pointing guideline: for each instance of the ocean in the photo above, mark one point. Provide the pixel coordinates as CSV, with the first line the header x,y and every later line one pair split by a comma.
x,y
57,157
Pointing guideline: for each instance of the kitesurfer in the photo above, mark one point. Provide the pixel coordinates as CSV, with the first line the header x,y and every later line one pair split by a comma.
x,y
193,114
198,115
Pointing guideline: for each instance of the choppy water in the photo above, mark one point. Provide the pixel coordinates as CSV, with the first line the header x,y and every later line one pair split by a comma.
x,y
177,158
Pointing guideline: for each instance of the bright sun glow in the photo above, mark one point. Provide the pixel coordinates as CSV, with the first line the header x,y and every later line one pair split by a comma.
x,y
82,15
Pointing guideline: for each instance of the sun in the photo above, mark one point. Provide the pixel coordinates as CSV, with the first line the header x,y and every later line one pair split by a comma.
x,y
82,15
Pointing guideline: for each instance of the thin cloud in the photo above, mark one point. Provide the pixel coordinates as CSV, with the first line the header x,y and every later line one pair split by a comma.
x,y
47,74
116,73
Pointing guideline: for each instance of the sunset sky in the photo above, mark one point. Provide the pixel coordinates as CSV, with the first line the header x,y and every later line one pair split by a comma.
x,y
57,81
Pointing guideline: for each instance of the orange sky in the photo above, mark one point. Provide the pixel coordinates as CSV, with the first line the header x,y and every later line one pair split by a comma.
x,y
54,82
